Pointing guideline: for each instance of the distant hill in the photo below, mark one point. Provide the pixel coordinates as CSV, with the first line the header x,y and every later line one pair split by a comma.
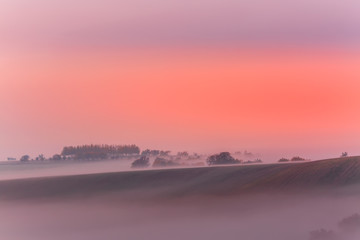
x,y
339,173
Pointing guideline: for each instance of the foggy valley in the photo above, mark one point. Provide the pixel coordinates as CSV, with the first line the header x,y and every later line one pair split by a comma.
x,y
250,202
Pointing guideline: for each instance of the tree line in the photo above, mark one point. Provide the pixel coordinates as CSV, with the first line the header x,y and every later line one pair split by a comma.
x,y
99,151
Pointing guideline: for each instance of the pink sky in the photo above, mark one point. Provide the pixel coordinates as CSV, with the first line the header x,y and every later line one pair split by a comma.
x,y
180,76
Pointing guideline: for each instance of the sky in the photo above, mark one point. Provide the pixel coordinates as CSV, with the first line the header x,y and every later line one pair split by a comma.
x,y
276,77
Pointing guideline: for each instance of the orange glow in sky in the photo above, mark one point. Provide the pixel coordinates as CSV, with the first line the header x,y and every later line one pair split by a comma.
x,y
192,99
276,77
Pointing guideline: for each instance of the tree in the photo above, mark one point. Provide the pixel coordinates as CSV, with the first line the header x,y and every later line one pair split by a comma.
x,y
344,154
297,159
142,162
149,152
221,158
165,153
57,157
183,154
40,158
283,160
25,158
97,151
162,162
248,154
194,156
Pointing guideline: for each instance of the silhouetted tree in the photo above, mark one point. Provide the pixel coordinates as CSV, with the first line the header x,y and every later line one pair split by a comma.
x,y
99,151
222,158
297,159
162,162
40,158
142,162
183,154
56,157
25,158
165,153
283,160
194,156
344,154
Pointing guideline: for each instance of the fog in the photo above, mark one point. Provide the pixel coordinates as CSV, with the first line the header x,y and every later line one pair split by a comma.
x,y
19,170
250,217
41,169
248,203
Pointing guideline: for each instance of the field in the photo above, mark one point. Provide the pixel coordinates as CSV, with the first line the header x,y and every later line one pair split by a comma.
x,y
331,174
248,202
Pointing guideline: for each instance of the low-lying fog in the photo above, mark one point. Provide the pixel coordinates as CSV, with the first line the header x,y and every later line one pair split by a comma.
x,y
246,218
112,216
15,170
41,169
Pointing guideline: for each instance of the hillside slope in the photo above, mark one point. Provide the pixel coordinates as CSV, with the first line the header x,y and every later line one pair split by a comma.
x,y
324,173
219,181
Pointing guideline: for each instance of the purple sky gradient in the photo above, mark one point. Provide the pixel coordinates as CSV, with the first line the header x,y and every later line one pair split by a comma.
x,y
157,23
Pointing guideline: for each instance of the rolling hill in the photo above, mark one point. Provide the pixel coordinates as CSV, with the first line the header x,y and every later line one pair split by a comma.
x,y
330,174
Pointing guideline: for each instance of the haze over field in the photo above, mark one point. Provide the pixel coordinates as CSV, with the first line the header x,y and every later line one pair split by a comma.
x,y
284,201
249,219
